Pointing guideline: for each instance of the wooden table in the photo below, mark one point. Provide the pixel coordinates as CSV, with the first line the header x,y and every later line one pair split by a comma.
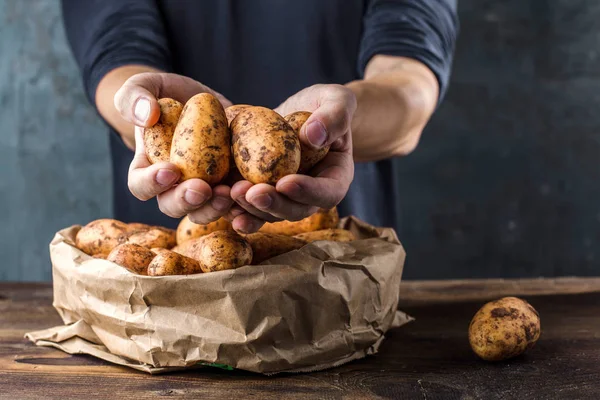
x,y
428,359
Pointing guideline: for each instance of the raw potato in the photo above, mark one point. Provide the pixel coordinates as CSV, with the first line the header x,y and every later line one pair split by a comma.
x,y
269,245
265,147
155,236
309,156
504,328
232,111
137,226
201,144
334,235
168,262
158,138
100,256
187,230
101,236
322,219
132,257
190,248
223,250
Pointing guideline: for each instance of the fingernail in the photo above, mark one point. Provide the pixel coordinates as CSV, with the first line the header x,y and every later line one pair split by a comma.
x,y
262,201
142,109
166,177
316,134
220,203
194,197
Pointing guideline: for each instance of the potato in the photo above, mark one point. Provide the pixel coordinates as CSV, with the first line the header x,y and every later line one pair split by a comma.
x,y
232,111
504,328
101,236
168,262
190,248
133,257
100,256
265,147
309,156
223,250
269,245
322,219
155,236
201,142
137,226
158,138
187,230
334,235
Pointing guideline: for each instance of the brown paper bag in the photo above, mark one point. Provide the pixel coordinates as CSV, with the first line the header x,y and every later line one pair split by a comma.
x,y
314,308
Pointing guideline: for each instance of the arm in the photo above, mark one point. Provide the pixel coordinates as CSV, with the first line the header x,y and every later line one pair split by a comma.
x,y
112,41
119,46
406,55
395,101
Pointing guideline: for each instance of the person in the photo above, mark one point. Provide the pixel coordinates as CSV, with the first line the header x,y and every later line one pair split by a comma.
x,y
372,72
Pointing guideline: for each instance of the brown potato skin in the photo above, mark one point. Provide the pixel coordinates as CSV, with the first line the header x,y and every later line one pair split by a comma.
x,y
269,245
187,230
232,111
190,248
153,237
224,250
137,226
322,219
265,147
201,141
167,262
504,328
309,156
334,235
132,257
158,138
100,256
101,236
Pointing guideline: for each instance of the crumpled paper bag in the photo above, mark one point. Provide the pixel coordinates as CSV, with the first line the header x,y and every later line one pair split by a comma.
x,y
314,308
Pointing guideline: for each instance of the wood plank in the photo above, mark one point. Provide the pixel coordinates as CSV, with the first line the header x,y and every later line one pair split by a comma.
x,y
427,359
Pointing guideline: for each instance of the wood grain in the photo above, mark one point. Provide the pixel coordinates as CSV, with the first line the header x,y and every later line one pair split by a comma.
x,y
428,359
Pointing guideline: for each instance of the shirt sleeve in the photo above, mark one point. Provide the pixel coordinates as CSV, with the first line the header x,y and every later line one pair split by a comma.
x,y
424,30
106,34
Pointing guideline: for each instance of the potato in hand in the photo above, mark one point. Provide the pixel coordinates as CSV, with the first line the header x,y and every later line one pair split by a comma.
x,y
158,138
309,157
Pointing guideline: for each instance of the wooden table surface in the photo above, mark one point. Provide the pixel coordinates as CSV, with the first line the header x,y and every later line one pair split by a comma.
x,y
429,358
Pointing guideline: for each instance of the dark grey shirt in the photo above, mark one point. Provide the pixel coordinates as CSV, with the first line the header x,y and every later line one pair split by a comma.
x,y
260,52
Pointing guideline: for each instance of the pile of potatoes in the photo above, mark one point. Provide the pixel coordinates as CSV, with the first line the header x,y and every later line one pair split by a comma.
x,y
193,248
202,139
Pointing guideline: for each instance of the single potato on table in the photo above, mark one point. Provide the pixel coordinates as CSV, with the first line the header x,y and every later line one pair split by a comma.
x,y
504,329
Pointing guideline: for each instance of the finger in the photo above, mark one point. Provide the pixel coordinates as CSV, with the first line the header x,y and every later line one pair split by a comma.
x,y
233,212
147,180
247,223
184,198
216,208
136,100
332,119
327,188
266,199
238,193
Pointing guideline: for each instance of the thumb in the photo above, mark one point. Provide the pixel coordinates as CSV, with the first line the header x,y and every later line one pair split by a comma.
x,y
136,100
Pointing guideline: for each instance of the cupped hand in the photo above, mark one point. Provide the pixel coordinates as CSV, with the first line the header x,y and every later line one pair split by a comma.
x,y
295,197
137,101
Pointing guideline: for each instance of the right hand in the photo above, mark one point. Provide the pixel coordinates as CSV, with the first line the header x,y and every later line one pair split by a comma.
x,y
137,102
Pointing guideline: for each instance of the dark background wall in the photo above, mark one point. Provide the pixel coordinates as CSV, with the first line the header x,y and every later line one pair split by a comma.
x,y
505,182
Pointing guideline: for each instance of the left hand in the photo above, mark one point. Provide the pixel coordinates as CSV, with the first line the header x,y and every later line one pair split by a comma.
x,y
295,197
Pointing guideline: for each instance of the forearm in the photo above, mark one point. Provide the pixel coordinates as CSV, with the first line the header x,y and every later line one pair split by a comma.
x,y
395,101
105,93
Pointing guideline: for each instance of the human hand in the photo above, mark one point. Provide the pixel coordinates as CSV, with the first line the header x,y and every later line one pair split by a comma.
x,y
295,197
137,102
